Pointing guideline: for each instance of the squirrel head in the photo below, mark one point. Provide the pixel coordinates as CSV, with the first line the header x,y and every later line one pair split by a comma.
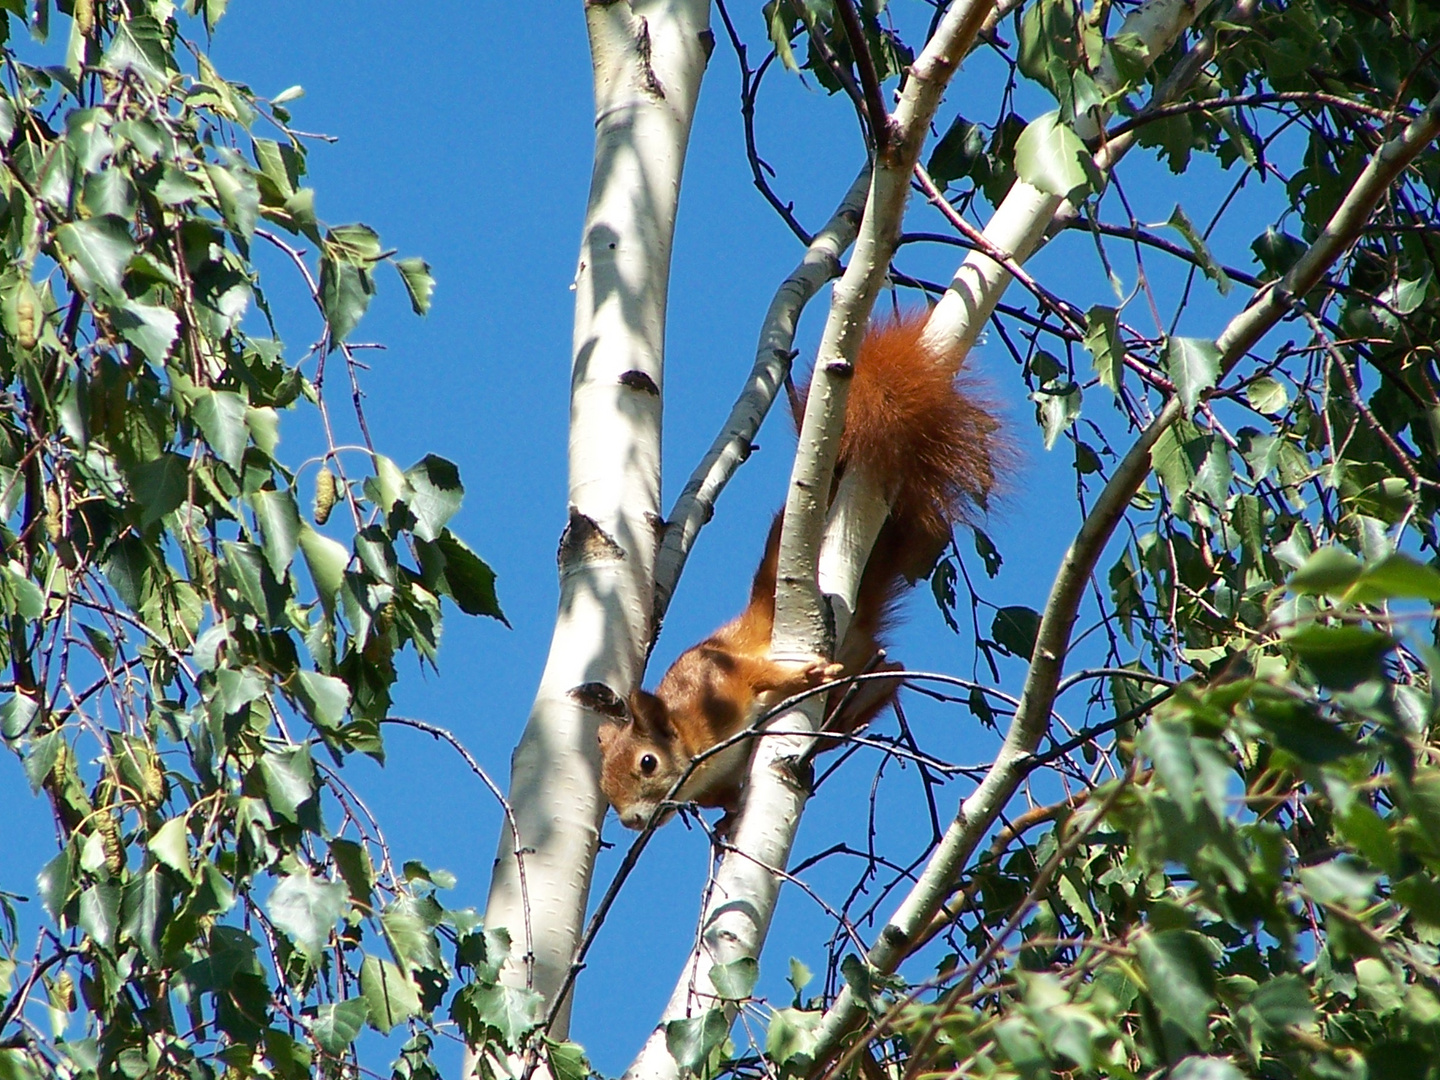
x,y
641,758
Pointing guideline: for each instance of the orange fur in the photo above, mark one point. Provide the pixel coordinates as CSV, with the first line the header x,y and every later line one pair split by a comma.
x,y
913,427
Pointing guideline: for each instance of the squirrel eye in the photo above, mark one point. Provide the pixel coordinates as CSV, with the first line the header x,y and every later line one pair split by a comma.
x,y
648,764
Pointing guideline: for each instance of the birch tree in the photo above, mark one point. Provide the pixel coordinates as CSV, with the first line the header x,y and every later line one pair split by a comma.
x,y
1204,844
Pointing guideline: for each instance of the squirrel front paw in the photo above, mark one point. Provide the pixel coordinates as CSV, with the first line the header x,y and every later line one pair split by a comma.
x,y
821,670
794,676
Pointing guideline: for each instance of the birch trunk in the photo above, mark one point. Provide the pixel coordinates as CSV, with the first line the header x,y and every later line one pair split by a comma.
x,y
648,58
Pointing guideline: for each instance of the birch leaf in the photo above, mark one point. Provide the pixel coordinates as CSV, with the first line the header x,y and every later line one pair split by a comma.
x,y
1193,365
1051,157
419,283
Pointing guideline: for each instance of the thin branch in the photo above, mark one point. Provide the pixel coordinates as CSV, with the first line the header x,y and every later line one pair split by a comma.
x,y
445,735
875,110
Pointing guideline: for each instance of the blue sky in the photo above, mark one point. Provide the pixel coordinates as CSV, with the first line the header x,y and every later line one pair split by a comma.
x,y
464,135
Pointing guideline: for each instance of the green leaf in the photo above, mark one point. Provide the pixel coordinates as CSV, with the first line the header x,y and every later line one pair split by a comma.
x,y
40,760
145,911
415,870
289,780
1180,973
347,281
1339,880
272,162
244,568
99,249
335,1027
409,925
306,909
419,284
325,698
21,595
1051,157
778,23
327,561
100,913
957,153
1283,1001
506,1013
238,195
160,486
1396,577
1206,1068
1277,251
139,45
345,293
1193,365
352,860
1058,407
437,494
1328,570
170,844
453,570
237,688
149,328
791,1038
54,882
17,714
1102,339
1181,223
567,1061
1341,656
357,243
280,527
391,997
1015,629
264,425
693,1039
1267,395
734,981
221,416
1296,727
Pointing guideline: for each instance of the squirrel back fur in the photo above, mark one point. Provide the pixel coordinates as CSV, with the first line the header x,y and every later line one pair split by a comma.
x,y
912,425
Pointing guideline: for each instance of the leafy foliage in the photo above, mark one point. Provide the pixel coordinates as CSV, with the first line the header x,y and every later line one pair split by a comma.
x,y
1230,869
189,662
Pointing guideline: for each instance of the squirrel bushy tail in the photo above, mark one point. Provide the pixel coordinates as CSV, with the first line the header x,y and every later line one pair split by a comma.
x,y
918,427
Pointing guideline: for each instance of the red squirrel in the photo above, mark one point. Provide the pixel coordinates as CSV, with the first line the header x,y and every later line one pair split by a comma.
x,y
910,426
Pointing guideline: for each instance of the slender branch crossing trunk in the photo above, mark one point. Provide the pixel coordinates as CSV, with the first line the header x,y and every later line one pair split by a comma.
x,y
648,57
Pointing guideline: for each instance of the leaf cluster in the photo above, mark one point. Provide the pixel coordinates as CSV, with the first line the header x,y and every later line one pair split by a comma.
x,y
188,661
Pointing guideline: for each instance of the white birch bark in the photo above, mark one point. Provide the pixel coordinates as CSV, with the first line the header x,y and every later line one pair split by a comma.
x,y
747,881
648,58
1020,221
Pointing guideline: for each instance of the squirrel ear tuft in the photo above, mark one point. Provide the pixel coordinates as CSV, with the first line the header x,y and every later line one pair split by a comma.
x,y
599,698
